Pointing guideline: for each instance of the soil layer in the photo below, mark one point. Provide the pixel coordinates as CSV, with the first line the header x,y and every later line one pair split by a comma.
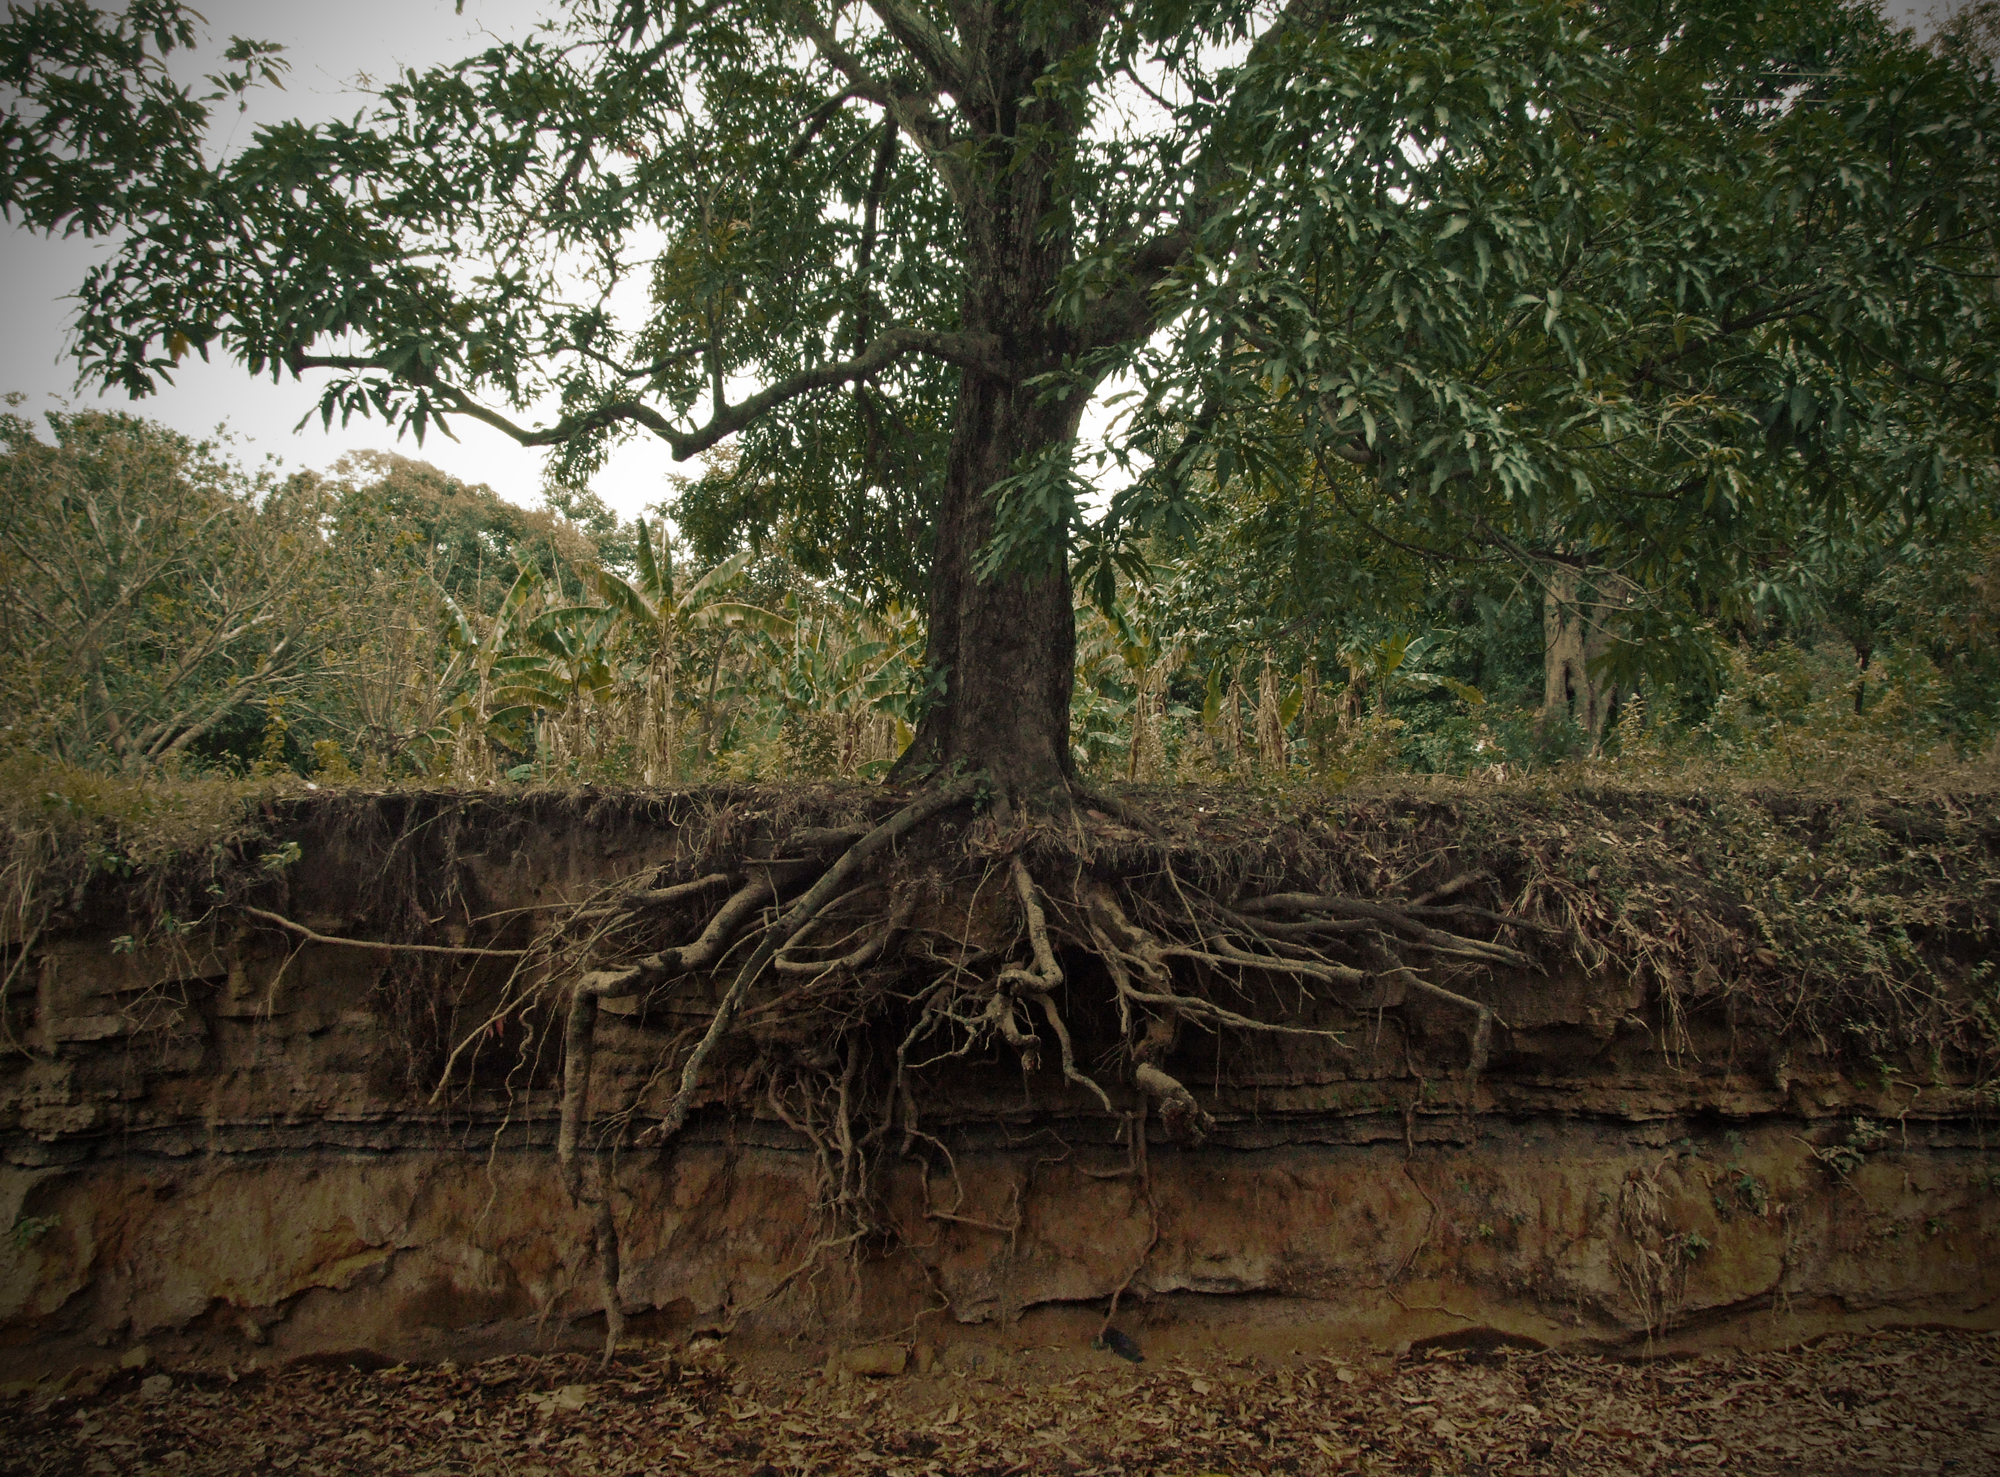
x,y
1695,1102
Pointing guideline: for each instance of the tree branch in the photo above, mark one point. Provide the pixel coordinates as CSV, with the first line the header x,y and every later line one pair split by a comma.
x,y
817,120
1128,313
926,45
967,350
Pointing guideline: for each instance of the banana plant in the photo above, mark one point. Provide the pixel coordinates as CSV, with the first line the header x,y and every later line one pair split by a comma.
x,y
843,659
1119,700
497,693
663,618
1393,662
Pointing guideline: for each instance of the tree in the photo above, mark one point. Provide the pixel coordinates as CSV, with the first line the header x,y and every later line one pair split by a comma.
x,y
156,602
1545,272
1644,287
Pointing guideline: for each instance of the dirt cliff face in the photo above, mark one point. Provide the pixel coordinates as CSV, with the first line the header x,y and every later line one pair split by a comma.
x,y
234,1134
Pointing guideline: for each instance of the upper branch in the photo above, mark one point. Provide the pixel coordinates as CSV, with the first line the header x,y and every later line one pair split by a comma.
x,y
929,47
968,350
911,114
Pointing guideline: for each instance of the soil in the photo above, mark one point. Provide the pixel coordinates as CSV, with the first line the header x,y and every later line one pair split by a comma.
x,y
1846,1405
1575,1065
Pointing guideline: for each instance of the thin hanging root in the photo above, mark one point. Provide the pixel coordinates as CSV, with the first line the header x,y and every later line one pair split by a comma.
x,y
1037,984
604,1242
1069,1069
581,1050
1141,1171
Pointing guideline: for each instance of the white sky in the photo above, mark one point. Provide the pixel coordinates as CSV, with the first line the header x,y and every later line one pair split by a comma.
x,y
327,45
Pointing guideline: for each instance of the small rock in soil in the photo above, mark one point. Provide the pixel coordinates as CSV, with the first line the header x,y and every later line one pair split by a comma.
x,y
1119,1343
879,1361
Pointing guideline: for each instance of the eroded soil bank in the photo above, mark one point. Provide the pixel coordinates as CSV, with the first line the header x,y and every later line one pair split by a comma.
x,y
225,1141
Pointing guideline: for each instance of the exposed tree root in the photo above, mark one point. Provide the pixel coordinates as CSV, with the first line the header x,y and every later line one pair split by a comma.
x,y
299,930
855,967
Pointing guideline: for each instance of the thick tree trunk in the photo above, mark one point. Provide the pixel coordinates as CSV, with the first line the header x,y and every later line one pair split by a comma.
x,y
1006,646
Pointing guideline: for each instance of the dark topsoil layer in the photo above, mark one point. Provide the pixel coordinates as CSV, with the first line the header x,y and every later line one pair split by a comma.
x,y
1861,918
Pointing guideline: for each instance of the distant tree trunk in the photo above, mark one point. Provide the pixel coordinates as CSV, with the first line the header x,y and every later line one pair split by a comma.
x,y
1311,720
1232,719
1576,632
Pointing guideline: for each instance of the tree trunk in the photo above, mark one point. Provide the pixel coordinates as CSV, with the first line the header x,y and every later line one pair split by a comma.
x,y
1005,647
1576,633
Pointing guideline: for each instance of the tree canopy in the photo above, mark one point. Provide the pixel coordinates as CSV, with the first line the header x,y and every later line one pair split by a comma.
x,y
1672,291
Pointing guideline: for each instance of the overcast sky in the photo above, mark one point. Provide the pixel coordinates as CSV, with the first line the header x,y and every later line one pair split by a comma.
x,y
328,45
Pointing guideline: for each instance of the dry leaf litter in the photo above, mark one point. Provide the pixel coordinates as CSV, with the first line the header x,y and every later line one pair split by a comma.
x,y
1922,1401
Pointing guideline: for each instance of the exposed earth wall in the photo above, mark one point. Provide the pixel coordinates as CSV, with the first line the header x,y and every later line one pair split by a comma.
x,y
233,1136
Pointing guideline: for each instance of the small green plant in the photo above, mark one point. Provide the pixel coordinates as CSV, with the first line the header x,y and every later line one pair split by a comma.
x,y
1752,1193
275,862
1843,1158
31,1228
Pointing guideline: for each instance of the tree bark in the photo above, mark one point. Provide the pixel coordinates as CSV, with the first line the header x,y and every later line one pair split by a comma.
x,y
1576,634
1005,647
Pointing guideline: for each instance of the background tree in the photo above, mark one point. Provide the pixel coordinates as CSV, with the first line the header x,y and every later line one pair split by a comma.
x,y
156,603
